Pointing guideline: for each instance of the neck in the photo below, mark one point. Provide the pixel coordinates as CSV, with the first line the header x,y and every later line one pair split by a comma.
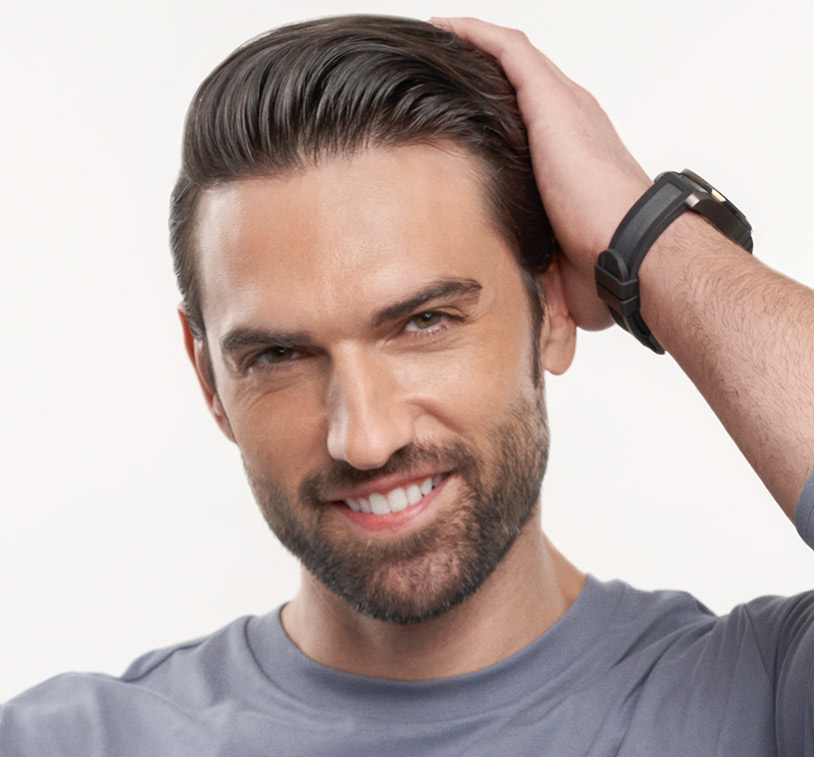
x,y
528,592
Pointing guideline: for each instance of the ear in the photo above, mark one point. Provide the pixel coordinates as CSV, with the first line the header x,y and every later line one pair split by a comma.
x,y
558,337
195,351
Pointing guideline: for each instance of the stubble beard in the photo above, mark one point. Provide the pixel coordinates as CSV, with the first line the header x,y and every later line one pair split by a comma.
x,y
434,569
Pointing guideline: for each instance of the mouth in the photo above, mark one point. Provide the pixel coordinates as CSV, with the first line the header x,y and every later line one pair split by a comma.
x,y
394,500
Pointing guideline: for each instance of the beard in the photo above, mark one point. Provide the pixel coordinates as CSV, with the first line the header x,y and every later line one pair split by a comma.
x,y
434,569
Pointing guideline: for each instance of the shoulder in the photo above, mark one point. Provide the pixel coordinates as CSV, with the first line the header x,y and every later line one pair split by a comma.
x,y
662,636
744,678
775,626
87,714
191,663
652,615
162,704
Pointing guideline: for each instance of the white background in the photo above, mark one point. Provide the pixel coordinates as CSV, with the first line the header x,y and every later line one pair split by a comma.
x,y
125,522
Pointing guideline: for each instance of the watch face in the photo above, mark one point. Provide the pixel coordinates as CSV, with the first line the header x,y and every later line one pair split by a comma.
x,y
705,186
695,179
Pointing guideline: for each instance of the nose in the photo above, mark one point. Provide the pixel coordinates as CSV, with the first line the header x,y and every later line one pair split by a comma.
x,y
369,418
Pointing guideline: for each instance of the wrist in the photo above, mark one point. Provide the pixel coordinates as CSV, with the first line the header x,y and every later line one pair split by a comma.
x,y
618,268
676,273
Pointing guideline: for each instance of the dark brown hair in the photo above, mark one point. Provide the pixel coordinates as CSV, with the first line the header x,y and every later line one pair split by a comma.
x,y
337,85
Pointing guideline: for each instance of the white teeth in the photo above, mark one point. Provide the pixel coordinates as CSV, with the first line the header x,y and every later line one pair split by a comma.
x,y
378,504
395,500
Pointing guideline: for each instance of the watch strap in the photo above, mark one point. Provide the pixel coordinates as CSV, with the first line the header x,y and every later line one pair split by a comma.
x,y
617,268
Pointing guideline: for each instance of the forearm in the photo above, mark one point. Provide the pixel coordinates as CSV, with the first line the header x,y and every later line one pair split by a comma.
x,y
744,334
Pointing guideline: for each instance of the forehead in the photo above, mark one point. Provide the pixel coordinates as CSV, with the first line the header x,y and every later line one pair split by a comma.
x,y
343,236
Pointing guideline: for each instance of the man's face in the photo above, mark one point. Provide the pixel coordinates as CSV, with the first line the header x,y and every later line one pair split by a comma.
x,y
371,346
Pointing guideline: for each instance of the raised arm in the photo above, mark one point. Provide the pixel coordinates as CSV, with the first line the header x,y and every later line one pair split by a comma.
x,y
742,332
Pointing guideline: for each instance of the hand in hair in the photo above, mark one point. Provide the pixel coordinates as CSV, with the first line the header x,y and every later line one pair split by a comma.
x,y
742,332
586,177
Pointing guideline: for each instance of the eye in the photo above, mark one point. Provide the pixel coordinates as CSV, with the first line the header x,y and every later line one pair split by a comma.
x,y
424,321
277,355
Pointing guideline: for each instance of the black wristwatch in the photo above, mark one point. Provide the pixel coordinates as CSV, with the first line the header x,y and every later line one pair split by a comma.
x,y
617,269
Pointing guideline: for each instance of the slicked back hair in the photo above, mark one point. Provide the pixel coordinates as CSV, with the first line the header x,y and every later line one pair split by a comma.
x,y
334,86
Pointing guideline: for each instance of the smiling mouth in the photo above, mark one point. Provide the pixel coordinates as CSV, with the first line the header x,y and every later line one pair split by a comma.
x,y
394,500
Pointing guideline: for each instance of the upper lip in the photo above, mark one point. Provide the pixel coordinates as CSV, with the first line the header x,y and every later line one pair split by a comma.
x,y
385,484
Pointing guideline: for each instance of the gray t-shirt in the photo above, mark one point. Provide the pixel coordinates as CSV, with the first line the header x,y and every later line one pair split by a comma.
x,y
623,672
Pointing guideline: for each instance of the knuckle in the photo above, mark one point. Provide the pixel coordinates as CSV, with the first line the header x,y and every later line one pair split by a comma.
x,y
516,37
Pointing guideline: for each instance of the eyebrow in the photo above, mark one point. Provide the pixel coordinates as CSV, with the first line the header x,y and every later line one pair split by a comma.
x,y
241,337
460,289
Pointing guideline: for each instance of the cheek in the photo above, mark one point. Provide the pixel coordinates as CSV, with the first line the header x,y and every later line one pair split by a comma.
x,y
281,436
475,382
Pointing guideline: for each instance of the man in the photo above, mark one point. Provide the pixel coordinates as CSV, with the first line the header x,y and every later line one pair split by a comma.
x,y
371,299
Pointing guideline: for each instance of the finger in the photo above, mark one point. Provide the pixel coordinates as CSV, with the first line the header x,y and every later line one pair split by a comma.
x,y
510,46
534,77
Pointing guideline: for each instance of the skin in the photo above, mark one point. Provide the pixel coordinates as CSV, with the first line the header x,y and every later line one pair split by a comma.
x,y
743,333
321,255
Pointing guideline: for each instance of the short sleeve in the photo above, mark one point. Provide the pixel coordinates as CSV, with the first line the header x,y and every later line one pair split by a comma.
x,y
804,515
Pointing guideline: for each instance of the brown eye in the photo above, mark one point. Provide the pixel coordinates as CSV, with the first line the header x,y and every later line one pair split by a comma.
x,y
424,321
276,355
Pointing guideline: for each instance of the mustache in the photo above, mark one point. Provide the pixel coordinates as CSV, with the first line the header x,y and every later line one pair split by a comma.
x,y
318,489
